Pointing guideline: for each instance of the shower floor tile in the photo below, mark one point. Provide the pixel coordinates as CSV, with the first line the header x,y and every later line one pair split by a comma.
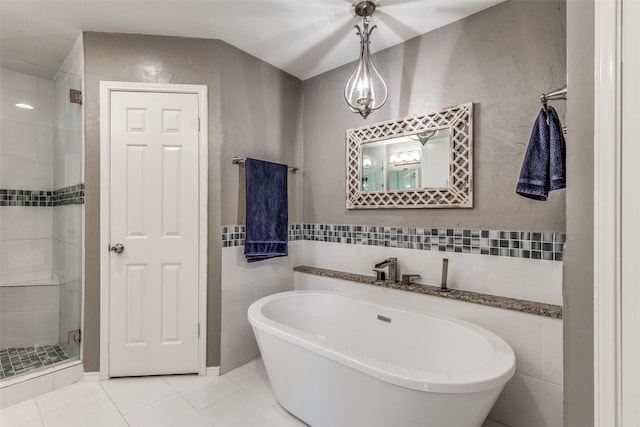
x,y
19,360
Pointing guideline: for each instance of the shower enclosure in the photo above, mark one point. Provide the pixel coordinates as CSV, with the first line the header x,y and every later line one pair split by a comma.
x,y
41,212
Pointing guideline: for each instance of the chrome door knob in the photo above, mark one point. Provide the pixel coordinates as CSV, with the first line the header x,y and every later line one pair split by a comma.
x,y
117,248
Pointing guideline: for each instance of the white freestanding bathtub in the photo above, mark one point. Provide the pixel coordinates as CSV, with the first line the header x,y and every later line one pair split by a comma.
x,y
338,361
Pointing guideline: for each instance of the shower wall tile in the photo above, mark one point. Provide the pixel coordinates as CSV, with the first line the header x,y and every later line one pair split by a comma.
x,y
24,222
29,315
72,224
73,262
42,298
70,174
67,260
73,195
67,158
44,142
67,134
12,299
45,328
16,329
25,173
59,258
32,90
29,299
28,259
25,140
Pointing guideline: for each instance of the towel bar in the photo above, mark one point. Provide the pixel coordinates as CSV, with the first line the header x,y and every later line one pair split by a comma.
x,y
237,160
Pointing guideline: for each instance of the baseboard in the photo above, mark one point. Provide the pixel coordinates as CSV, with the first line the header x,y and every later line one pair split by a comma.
x,y
213,371
91,377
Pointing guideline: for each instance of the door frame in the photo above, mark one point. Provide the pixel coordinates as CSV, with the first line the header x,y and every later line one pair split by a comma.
x,y
106,87
607,215
616,229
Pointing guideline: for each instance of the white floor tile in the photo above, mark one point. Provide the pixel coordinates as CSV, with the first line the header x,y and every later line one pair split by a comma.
x,y
243,409
297,422
201,391
253,378
132,394
172,411
67,400
98,413
24,414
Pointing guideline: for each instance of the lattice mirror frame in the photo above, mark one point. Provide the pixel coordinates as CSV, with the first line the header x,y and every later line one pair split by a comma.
x,y
459,194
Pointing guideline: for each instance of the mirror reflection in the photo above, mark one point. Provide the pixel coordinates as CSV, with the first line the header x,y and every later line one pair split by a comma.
x,y
407,162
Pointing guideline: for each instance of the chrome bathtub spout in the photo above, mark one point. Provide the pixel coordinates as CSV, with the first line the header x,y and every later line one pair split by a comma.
x,y
391,264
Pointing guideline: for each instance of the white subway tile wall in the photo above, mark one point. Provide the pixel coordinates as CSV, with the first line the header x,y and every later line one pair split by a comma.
x,y
29,315
242,284
347,248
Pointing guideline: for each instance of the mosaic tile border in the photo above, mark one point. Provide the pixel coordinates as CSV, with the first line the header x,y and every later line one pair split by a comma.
x,y
20,360
514,244
72,195
233,235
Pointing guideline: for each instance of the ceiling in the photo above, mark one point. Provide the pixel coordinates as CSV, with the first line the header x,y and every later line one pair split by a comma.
x,y
302,37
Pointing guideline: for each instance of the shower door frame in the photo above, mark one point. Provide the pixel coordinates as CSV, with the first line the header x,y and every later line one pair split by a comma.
x,y
106,87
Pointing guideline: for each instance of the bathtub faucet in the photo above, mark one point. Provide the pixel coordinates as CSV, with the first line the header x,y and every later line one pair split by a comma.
x,y
392,265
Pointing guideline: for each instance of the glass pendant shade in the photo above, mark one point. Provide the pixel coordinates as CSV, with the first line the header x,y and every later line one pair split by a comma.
x,y
365,90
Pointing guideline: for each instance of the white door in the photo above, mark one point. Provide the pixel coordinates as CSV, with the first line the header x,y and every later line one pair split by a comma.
x,y
153,289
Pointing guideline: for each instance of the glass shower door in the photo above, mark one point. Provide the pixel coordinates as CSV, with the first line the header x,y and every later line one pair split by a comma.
x,y
41,209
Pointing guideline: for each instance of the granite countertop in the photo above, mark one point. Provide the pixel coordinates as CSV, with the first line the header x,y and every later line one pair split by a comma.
x,y
532,307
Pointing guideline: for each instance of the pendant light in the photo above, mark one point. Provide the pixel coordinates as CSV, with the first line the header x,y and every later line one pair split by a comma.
x,y
365,90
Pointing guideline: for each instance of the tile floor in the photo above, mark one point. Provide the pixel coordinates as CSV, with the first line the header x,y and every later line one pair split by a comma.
x,y
240,398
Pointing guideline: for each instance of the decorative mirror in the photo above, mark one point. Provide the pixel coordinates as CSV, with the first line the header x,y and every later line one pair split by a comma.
x,y
421,161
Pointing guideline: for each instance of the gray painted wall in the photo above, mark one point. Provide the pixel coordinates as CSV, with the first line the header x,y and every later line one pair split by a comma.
x,y
261,118
501,59
578,262
255,95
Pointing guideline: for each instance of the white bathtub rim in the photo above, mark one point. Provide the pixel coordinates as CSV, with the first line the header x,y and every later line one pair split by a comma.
x,y
493,374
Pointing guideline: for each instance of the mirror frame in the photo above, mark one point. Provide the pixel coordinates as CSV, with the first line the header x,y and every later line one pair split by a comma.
x,y
459,119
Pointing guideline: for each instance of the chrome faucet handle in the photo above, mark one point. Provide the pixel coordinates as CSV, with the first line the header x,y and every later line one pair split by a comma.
x,y
407,279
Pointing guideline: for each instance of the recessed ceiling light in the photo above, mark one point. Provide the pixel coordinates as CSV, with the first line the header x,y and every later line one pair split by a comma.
x,y
25,106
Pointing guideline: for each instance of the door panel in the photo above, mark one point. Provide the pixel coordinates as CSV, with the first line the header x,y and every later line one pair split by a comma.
x,y
154,213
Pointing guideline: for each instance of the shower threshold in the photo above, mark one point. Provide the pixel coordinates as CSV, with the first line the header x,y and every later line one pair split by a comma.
x,y
21,360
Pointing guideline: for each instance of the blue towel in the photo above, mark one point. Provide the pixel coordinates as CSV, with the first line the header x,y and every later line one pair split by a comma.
x,y
557,152
267,216
543,168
